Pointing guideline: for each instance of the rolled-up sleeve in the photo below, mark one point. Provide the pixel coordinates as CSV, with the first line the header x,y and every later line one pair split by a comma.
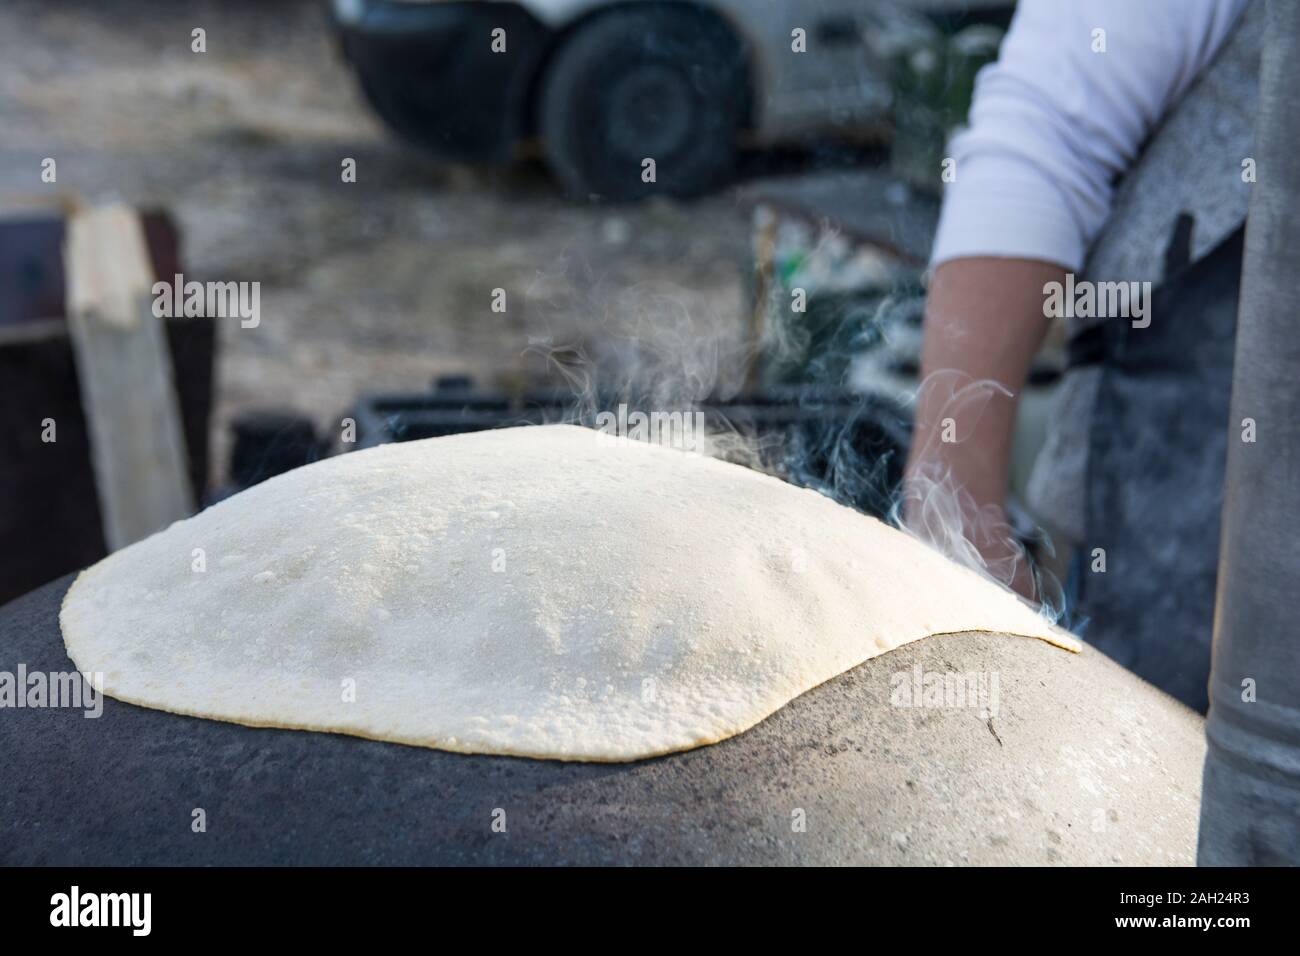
x,y
1057,119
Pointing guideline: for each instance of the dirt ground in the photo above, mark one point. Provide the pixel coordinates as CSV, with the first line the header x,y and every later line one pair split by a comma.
x,y
372,286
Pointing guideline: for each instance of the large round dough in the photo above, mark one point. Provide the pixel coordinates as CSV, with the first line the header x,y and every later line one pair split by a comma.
x,y
545,591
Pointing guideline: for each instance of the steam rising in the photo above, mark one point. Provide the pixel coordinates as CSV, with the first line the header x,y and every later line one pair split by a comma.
x,y
648,349
932,507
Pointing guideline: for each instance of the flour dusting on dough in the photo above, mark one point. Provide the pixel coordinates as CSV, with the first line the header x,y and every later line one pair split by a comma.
x,y
543,591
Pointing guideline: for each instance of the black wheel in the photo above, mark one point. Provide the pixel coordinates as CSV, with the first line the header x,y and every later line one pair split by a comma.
x,y
652,83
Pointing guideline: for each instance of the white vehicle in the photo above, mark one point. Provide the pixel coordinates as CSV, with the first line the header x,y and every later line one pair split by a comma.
x,y
607,85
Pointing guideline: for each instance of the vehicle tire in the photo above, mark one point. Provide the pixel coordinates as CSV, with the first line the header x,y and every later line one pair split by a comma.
x,y
660,83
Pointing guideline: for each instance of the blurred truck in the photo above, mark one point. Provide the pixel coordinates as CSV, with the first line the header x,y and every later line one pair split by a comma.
x,y
606,85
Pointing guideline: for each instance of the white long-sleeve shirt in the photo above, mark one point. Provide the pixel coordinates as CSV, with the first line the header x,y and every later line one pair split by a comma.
x,y
1053,123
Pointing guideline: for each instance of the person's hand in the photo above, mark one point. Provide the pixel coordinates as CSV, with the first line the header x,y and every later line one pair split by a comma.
x,y
946,517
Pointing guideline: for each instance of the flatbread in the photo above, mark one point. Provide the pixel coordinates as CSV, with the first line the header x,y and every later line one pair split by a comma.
x,y
546,592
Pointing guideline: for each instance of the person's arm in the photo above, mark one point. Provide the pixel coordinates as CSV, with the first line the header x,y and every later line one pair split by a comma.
x,y
984,321
1076,90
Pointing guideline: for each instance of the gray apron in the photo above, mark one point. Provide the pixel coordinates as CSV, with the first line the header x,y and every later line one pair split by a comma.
x,y
1135,463
1157,451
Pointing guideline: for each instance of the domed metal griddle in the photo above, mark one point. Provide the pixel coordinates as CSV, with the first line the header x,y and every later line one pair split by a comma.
x,y
1083,763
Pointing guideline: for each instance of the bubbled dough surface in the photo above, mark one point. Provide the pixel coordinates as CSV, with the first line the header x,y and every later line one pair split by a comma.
x,y
543,591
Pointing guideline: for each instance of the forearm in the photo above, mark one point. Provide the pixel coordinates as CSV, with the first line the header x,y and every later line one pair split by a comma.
x,y
984,323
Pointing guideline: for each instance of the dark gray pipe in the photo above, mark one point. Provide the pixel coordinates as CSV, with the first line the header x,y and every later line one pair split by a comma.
x,y
1250,811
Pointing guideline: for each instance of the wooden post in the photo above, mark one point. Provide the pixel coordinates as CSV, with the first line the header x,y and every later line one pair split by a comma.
x,y
125,375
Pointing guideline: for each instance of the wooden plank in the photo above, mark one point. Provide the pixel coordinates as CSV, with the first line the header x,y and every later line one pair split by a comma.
x,y
125,375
